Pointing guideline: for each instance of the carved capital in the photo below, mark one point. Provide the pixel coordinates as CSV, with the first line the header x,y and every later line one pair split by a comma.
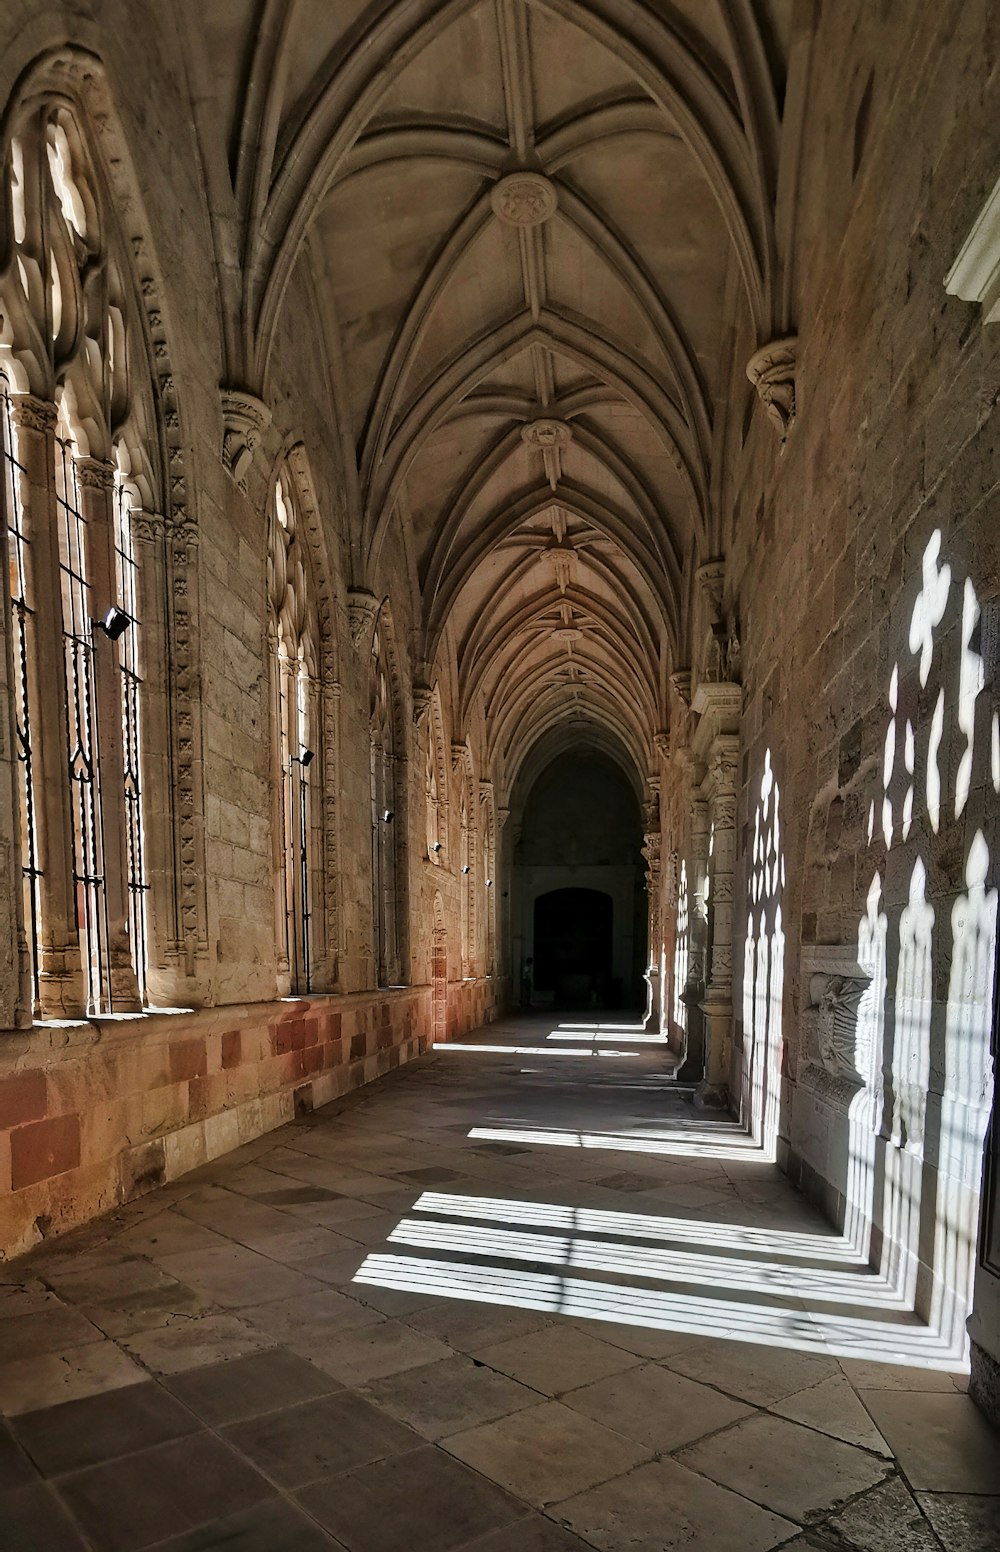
x,y
362,608
422,697
245,418
31,413
94,473
772,372
502,816
459,750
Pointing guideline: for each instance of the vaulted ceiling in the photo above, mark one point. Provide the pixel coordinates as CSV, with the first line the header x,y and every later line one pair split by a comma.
x,y
530,225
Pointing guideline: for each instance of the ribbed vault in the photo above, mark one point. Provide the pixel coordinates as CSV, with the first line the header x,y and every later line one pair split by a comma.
x,y
531,227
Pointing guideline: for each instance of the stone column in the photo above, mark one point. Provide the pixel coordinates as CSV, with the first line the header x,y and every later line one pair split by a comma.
x,y
95,478
718,999
61,982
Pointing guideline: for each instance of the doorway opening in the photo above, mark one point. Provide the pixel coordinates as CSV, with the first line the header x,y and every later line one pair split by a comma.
x,y
574,947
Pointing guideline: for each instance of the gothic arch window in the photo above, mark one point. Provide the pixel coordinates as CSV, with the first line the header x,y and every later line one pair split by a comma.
x,y
436,786
294,639
385,820
77,392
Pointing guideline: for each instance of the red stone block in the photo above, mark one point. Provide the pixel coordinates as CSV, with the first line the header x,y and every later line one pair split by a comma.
x,y
232,1048
289,1035
42,1149
187,1060
22,1098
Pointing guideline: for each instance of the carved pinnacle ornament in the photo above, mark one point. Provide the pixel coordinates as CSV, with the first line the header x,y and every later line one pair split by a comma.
x,y
524,199
245,418
772,372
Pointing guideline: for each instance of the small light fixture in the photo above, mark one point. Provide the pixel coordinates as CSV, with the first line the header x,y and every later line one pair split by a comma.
x,y
466,869
115,623
436,846
387,816
489,883
306,756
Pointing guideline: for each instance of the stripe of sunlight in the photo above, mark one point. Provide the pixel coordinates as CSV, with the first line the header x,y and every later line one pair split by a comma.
x,y
693,1147
601,1039
775,1279
617,1028
528,1050
718,1236
660,1310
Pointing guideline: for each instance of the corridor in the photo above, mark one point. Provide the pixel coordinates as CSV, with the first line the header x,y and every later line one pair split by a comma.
x,y
517,1297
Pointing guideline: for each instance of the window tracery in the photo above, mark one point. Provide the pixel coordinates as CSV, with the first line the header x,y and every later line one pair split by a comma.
x,y
383,811
295,639
72,392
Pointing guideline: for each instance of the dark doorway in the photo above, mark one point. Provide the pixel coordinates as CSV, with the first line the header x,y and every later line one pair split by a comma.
x,y
573,948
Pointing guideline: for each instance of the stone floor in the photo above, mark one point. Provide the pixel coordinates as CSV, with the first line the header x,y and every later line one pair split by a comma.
x,y
517,1298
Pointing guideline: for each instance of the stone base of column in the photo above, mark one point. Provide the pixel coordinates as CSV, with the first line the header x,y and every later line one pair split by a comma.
x,y
61,992
718,1011
712,1096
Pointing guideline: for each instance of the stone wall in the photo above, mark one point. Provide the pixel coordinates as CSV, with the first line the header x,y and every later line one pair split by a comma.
x,y
888,477
94,1114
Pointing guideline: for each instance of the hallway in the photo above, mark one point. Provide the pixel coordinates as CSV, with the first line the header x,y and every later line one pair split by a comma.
x,y
518,1297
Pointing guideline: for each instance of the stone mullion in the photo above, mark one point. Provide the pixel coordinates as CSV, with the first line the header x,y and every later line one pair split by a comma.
x,y
61,980
96,484
329,701
16,988
148,531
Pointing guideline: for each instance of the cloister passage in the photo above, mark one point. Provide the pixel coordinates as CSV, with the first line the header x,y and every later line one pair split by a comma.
x,y
499,775
519,1296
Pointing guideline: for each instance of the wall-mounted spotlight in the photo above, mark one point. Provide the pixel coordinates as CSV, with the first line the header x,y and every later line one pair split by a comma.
x,y
466,869
388,816
306,756
436,846
115,623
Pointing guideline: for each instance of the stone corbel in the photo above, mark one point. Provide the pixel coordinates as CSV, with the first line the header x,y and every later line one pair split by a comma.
x,y
422,697
835,1047
681,682
362,610
661,743
245,418
771,369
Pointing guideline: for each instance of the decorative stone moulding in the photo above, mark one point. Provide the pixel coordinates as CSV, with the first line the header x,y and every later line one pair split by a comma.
x,y
245,419
546,433
459,752
772,372
567,633
362,607
975,274
524,199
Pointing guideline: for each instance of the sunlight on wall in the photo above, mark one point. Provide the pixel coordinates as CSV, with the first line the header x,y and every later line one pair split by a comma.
x,y
681,951
931,1046
764,969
